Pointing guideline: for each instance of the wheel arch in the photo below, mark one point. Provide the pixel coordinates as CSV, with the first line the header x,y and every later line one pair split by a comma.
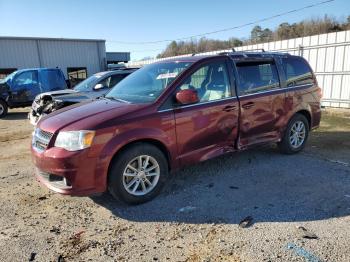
x,y
307,115
160,145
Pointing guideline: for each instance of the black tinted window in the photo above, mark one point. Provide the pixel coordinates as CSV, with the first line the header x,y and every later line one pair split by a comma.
x,y
255,77
297,71
115,79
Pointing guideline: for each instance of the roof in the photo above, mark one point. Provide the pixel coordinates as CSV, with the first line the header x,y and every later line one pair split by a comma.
x,y
37,68
115,71
239,55
192,58
49,39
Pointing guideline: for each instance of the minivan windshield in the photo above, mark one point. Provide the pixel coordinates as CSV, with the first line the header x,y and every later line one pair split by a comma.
x,y
146,84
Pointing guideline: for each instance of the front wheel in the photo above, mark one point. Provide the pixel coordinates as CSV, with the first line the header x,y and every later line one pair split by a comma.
x,y
295,136
138,174
3,108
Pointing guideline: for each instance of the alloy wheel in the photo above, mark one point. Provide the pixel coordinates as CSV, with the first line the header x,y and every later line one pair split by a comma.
x,y
141,175
297,134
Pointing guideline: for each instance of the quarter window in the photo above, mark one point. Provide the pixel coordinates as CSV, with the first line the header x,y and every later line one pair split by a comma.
x,y
210,81
297,71
256,77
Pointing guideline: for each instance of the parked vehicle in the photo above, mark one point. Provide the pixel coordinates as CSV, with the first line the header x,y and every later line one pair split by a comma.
x,y
21,87
91,88
175,113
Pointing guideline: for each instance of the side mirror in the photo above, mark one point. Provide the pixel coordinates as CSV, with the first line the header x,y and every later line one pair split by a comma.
x,y
98,86
187,96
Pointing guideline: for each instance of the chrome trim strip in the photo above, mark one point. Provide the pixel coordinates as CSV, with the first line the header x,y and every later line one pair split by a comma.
x,y
277,89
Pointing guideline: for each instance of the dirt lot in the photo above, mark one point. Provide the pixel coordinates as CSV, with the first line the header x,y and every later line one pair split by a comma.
x,y
196,217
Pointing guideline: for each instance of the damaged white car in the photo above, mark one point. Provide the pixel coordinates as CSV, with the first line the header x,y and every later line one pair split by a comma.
x,y
91,88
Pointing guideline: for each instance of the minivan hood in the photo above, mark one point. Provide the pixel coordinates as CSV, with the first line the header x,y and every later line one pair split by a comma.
x,y
71,115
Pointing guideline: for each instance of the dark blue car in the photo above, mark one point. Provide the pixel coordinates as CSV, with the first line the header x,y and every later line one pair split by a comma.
x,y
21,87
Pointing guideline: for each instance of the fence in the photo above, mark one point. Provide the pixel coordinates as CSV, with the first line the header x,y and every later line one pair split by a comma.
x,y
328,55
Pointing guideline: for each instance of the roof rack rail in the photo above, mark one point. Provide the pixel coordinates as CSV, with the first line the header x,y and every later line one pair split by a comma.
x,y
223,53
253,50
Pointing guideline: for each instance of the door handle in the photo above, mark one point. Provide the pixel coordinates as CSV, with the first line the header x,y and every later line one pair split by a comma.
x,y
229,108
248,105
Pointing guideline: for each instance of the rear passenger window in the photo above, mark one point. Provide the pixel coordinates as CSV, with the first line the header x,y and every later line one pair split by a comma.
x,y
297,71
52,80
256,77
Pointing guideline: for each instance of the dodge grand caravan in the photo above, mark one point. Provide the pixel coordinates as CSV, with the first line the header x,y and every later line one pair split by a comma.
x,y
175,113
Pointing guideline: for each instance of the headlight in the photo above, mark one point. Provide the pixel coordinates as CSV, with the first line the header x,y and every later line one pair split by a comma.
x,y
74,140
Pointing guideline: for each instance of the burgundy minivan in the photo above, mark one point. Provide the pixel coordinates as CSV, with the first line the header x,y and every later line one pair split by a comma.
x,y
175,113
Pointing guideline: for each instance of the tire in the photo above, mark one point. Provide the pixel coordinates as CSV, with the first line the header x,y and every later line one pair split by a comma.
x,y
3,108
294,141
125,174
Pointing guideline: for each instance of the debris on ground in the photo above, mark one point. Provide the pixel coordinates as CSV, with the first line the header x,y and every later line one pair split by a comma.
x,y
187,209
55,230
32,256
42,198
246,222
309,257
304,233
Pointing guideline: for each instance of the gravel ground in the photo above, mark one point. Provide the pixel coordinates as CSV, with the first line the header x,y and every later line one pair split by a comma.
x,y
197,216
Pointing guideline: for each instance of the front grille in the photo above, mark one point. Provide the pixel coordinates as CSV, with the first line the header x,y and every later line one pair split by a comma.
x,y
41,139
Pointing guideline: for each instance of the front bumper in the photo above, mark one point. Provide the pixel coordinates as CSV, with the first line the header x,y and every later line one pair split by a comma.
x,y
69,173
33,117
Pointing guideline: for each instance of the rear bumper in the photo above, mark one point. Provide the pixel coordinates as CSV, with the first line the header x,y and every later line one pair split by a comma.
x,y
69,173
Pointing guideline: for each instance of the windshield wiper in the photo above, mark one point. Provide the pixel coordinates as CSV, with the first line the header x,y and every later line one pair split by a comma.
x,y
116,99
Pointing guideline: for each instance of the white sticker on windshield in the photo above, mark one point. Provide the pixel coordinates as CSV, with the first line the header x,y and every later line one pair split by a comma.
x,y
167,75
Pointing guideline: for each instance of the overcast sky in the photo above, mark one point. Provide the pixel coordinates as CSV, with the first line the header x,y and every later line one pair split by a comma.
x,y
147,20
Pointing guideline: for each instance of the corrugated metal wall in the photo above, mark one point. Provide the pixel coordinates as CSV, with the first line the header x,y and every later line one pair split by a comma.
x,y
328,55
28,53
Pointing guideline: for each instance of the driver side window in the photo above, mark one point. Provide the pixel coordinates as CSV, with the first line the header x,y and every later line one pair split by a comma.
x,y
26,78
105,82
210,81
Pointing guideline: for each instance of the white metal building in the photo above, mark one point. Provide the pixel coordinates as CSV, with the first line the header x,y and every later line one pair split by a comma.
x,y
77,58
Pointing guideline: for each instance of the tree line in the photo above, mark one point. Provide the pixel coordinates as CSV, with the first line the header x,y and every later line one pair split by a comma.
x,y
313,26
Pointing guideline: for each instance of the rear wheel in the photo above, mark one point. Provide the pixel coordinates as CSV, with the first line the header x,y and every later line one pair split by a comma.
x,y
296,135
3,108
138,174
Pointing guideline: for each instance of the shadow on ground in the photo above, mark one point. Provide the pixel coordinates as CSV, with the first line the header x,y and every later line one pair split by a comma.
x,y
16,116
260,183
